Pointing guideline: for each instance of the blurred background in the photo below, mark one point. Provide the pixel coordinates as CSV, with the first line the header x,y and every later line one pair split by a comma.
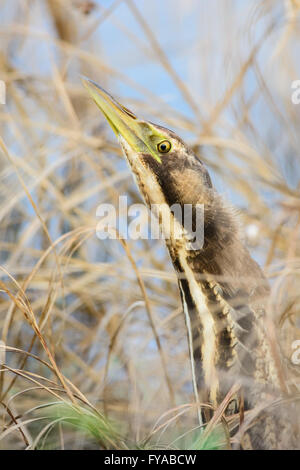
x,y
98,324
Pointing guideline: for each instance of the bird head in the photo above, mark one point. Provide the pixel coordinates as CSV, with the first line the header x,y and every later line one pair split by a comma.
x,y
165,168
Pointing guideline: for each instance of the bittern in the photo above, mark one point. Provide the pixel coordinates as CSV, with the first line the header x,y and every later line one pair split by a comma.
x,y
223,290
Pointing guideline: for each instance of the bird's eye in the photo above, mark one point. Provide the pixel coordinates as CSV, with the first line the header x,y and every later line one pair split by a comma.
x,y
164,146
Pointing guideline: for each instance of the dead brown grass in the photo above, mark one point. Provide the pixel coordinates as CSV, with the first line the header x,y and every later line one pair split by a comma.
x,y
98,325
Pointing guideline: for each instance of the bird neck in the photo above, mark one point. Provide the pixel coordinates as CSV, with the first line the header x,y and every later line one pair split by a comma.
x,y
220,287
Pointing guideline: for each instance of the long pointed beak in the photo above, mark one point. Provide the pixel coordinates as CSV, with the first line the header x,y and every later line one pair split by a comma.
x,y
122,121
